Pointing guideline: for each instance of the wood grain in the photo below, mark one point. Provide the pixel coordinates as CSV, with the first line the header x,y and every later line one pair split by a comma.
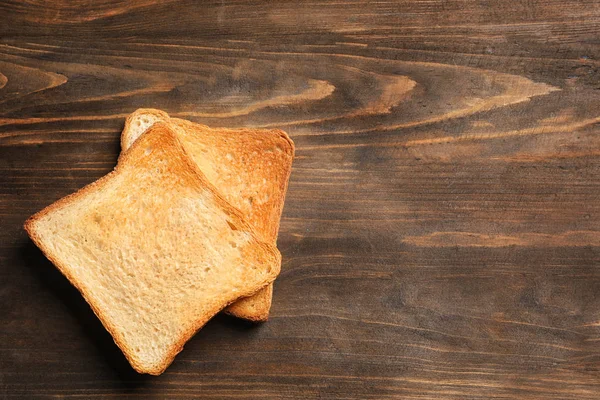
x,y
441,234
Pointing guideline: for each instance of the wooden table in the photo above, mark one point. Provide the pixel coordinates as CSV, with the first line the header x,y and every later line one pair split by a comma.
x,y
441,234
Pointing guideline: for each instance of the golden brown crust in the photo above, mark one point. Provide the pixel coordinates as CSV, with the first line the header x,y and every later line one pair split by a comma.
x,y
266,217
254,308
161,134
158,114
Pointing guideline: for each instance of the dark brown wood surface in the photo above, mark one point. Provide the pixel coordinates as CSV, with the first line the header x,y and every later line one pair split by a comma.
x,y
441,234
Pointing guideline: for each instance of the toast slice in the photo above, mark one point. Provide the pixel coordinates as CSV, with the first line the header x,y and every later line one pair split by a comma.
x,y
154,249
249,167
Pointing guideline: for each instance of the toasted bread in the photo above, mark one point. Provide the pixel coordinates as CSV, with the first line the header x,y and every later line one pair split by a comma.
x,y
249,167
154,249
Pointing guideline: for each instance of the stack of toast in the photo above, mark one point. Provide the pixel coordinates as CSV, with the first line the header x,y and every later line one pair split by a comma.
x,y
184,227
